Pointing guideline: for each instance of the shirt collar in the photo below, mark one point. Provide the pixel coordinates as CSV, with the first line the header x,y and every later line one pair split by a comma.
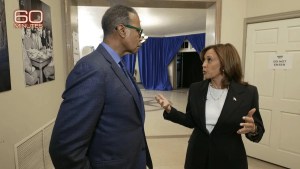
x,y
114,54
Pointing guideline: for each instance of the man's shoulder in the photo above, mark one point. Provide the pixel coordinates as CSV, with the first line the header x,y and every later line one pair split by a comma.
x,y
92,58
91,62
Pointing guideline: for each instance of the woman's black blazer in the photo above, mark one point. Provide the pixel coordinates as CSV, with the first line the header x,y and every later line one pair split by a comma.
x,y
223,147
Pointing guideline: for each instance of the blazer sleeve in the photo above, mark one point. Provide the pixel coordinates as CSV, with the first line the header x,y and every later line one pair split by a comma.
x,y
179,117
77,118
257,119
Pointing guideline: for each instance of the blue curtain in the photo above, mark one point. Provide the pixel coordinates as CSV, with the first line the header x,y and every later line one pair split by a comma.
x,y
148,56
156,54
197,41
129,61
154,57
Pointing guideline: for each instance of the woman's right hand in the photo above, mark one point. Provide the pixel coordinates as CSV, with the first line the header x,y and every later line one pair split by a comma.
x,y
164,103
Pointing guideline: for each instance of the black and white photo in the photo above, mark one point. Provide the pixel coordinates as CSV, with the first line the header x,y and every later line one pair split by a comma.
x,y
37,43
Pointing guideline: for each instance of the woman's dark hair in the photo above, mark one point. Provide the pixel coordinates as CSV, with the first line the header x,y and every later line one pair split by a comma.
x,y
230,63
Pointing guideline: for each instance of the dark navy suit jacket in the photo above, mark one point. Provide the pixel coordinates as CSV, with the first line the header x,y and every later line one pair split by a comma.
x,y
100,124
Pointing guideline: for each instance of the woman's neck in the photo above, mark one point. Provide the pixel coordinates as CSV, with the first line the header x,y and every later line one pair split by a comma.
x,y
216,84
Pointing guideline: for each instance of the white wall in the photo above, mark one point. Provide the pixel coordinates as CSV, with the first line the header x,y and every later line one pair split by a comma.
x,y
266,7
23,109
232,20
235,11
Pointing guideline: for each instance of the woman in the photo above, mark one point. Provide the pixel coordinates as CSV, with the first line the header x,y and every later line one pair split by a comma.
x,y
220,109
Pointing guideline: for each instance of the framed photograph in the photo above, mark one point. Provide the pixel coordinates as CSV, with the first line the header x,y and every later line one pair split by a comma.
x,y
37,41
5,83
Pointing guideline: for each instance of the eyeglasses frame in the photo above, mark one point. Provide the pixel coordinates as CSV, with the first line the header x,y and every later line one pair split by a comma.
x,y
139,30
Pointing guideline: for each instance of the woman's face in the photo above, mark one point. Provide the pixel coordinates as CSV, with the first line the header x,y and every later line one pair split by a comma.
x,y
211,66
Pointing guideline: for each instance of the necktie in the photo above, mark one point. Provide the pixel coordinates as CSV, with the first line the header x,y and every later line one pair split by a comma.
x,y
129,77
121,63
134,86
125,70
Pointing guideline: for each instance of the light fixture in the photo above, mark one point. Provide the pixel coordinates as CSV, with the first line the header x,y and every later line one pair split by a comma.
x,y
144,37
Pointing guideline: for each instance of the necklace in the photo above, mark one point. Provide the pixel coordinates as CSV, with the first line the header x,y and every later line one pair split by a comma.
x,y
213,86
215,98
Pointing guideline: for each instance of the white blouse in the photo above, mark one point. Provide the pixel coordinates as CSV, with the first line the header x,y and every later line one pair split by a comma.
x,y
214,104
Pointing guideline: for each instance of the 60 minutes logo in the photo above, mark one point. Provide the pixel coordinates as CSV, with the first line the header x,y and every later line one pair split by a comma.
x,y
28,19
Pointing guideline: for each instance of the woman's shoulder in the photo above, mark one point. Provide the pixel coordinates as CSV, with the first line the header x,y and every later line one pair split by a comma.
x,y
252,88
201,84
249,86
243,86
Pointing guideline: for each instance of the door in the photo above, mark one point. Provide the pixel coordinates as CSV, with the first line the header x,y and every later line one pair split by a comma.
x,y
279,90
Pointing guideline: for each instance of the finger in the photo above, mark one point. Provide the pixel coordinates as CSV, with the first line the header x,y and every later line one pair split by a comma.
x,y
247,125
157,97
159,101
163,103
248,119
251,112
162,96
244,130
241,131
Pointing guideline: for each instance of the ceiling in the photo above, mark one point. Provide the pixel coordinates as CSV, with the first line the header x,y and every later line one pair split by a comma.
x,y
156,22
159,18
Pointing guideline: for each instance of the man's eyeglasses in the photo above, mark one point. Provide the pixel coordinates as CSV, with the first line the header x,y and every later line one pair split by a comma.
x,y
140,30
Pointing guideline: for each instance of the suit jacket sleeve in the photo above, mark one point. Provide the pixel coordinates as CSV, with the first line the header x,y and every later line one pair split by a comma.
x,y
77,118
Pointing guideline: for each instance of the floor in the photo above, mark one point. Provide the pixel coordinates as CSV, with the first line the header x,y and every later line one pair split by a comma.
x,y
168,141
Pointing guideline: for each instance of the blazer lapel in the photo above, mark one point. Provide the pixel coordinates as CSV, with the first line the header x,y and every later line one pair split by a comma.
x,y
201,102
232,102
119,72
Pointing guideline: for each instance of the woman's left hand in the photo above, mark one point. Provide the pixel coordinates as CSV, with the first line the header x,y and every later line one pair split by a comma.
x,y
248,125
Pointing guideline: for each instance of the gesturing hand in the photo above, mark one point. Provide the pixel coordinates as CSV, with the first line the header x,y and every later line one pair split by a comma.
x,y
248,125
164,103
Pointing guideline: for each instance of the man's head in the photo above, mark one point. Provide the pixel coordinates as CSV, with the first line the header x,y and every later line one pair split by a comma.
x,y
28,31
122,30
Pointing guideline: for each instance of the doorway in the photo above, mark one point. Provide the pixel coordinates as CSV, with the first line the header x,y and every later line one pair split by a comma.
x,y
188,69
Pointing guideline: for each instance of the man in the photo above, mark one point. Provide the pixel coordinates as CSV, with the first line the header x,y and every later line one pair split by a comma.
x,y
31,74
49,70
27,40
100,123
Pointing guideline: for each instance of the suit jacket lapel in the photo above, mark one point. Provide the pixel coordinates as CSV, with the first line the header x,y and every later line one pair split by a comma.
x,y
134,92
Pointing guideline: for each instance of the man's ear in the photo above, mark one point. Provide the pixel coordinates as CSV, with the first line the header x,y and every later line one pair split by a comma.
x,y
121,30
